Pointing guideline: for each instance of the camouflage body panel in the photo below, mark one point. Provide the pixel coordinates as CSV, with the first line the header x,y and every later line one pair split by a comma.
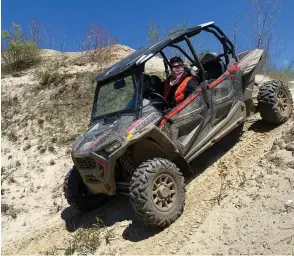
x,y
199,125
94,164
250,61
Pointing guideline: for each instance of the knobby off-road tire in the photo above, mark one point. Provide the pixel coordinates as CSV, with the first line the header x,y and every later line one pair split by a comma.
x,y
275,102
77,195
157,192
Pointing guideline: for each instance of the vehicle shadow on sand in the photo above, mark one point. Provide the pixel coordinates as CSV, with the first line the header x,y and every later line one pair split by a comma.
x,y
261,126
118,209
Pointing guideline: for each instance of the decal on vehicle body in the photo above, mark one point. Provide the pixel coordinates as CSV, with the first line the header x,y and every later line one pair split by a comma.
x,y
139,124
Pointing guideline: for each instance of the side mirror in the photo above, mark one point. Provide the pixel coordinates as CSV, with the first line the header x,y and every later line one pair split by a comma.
x,y
121,83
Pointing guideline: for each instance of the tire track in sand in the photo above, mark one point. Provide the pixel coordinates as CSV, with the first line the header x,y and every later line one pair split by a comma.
x,y
201,191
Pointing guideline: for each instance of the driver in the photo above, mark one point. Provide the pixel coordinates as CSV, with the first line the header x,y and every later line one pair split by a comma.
x,y
180,84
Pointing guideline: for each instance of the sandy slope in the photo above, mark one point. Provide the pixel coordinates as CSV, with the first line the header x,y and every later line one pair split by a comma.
x,y
251,216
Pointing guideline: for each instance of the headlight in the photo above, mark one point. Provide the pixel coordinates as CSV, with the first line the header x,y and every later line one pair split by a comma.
x,y
112,147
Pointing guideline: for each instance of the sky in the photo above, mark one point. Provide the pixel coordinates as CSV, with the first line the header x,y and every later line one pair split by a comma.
x,y
128,19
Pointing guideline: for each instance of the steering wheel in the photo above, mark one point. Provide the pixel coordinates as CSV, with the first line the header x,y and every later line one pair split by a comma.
x,y
150,93
193,71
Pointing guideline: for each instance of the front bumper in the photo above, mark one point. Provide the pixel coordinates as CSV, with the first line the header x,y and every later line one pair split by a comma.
x,y
95,172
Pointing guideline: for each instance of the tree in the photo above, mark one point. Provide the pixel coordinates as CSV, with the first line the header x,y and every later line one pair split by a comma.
x,y
153,32
62,41
98,44
262,17
235,29
36,29
156,32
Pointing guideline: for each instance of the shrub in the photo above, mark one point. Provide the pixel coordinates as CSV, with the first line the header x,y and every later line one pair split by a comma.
x,y
6,175
9,210
51,149
27,147
87,240
47,75
42,150
83,241
44,75
18,53
98,44
12,136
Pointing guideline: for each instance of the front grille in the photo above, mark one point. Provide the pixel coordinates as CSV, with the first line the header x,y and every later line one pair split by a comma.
x,y
86,163
91,177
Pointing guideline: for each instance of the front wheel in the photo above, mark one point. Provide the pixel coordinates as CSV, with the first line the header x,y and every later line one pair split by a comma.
x,y
77,194
275,102
157,192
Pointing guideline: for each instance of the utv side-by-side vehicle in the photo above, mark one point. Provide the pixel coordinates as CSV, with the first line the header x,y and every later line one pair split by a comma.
x,y
144,149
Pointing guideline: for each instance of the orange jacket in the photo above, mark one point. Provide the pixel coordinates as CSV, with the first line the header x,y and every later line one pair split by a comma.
x,y
180,91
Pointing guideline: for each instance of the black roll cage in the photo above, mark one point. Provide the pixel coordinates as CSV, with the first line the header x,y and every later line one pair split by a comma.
x,y
211,28
228,48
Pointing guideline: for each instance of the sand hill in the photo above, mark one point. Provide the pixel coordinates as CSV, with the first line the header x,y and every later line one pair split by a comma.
x,y
252,215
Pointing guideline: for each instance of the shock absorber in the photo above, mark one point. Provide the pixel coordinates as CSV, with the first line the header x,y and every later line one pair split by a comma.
x,y
128,164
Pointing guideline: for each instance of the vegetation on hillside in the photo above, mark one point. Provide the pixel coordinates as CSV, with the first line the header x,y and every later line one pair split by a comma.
x,y
17,52
97,46
285,73
22,49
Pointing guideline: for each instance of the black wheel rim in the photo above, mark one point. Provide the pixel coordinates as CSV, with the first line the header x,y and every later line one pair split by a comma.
x,y
282,102
164,192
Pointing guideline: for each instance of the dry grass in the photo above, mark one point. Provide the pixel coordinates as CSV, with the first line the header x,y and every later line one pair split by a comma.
x,y
47,75
51,149
84,241
6,175
52,162
223,172
283,76
9,210
12,136
27,147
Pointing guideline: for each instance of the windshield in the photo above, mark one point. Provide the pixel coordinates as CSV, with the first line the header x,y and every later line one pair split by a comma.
x,y
116,96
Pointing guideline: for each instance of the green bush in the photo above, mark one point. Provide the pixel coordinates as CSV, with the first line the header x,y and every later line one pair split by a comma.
x,y
18,53
47,75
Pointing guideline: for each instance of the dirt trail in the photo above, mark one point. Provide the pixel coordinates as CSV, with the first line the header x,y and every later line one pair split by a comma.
x,y
205,226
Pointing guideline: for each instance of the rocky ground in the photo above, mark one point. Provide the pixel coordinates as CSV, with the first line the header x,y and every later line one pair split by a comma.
x,y
240,200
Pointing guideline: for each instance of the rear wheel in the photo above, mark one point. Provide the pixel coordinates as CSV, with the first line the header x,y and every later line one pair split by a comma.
x,y
275,102
77,194
157,192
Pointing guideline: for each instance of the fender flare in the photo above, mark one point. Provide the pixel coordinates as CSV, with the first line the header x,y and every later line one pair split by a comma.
x,y
170,151
251,60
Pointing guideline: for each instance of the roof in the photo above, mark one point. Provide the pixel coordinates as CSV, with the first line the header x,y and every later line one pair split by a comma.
x,y
144,54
